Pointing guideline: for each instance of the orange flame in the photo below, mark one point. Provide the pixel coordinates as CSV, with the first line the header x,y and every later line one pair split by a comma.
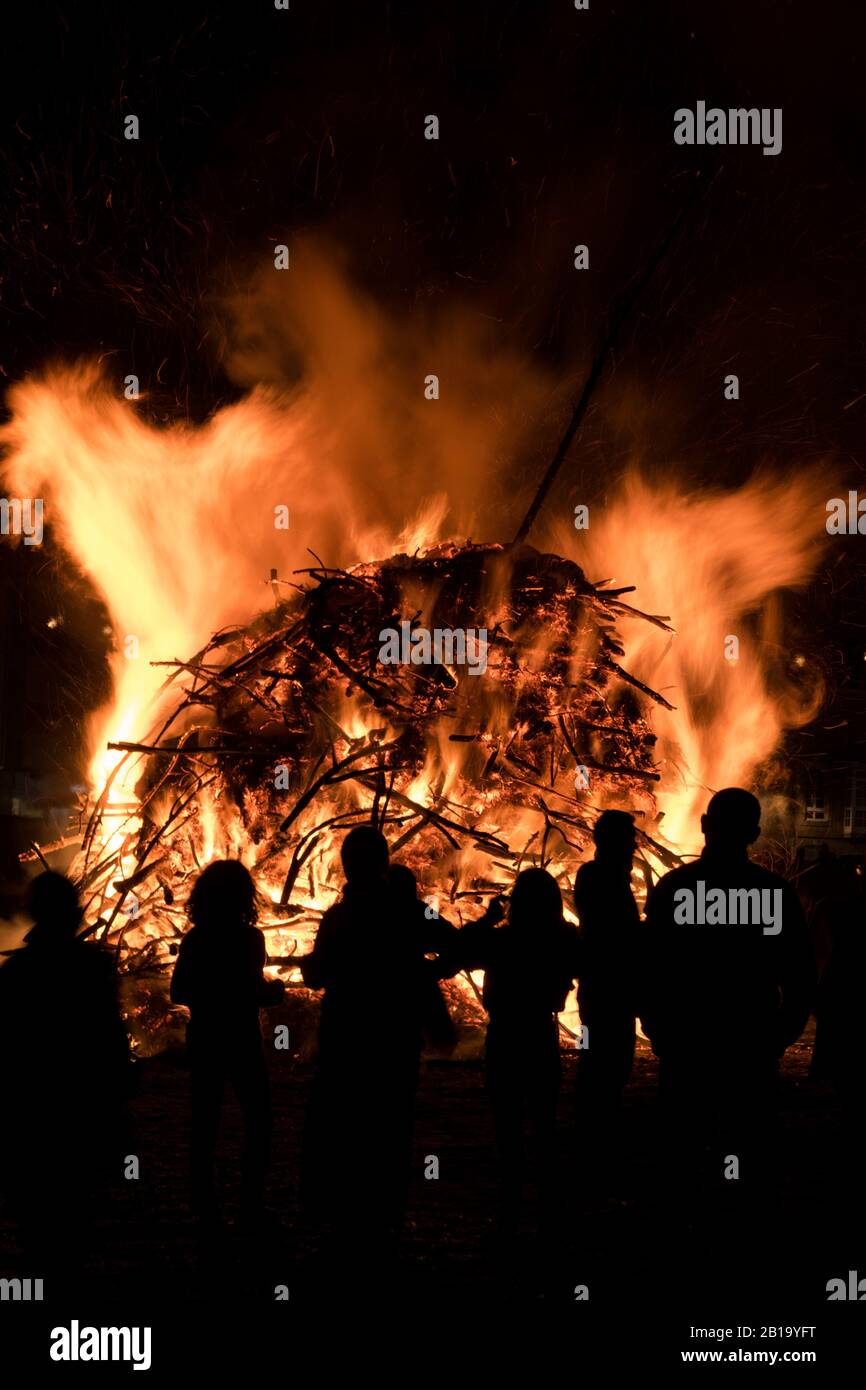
x,y
714,562
177,529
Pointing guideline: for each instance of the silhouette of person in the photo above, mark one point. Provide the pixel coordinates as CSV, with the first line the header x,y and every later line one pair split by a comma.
x,y
817,885
725,1000
219,978
438,942
359,1123
529,964
837,1038
64,1056
610,936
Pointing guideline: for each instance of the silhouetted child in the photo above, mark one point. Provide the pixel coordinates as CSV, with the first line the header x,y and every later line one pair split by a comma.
x,y
438,942
529,964
725,1000
610,934
64,1064
375,978
219,977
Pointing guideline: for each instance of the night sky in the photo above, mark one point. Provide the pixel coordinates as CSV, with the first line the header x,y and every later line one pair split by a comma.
x,y
259,125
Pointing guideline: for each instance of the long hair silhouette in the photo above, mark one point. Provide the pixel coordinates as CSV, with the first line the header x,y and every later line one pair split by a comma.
x,y
224,897
536,900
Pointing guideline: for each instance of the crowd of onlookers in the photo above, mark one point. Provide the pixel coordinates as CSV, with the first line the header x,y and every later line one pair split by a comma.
x,y
719,1004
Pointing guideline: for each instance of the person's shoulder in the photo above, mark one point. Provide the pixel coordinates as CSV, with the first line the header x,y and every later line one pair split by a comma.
x,y
476,929
680,877
588,886
94,954
335,914
793,911
481,935
92,964
14,966
766,878
587,873
336,920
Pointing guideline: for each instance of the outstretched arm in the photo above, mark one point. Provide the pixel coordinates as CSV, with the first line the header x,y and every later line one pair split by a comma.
x,y
471,947
270,991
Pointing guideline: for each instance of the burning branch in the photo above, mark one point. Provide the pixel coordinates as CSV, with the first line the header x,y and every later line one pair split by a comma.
x,y
293,730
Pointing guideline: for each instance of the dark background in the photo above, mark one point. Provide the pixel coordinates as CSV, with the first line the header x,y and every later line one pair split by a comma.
x,y
556,127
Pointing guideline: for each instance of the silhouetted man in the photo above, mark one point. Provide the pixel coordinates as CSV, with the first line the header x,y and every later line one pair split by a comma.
x,y
731,982
529,965
64,1062
219,977
359,1124
610,935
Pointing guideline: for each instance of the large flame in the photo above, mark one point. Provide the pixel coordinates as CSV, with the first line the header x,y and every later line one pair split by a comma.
x,y
177,529
716,562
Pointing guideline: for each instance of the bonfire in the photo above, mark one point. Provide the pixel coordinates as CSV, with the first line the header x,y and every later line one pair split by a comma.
x,y
277,738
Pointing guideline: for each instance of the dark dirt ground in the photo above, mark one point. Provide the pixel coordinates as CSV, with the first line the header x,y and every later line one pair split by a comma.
x,y
621,1236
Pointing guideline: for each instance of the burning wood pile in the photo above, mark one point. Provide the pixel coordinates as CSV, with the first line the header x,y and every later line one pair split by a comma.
x,y
276,739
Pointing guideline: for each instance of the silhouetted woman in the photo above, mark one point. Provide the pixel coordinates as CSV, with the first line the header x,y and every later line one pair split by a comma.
x,y
219,977
529,964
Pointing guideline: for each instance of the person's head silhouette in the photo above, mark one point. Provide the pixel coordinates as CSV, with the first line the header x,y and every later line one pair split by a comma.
x,y
223,896
732,821
536,900
403,883
615,838
52,902
364,854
